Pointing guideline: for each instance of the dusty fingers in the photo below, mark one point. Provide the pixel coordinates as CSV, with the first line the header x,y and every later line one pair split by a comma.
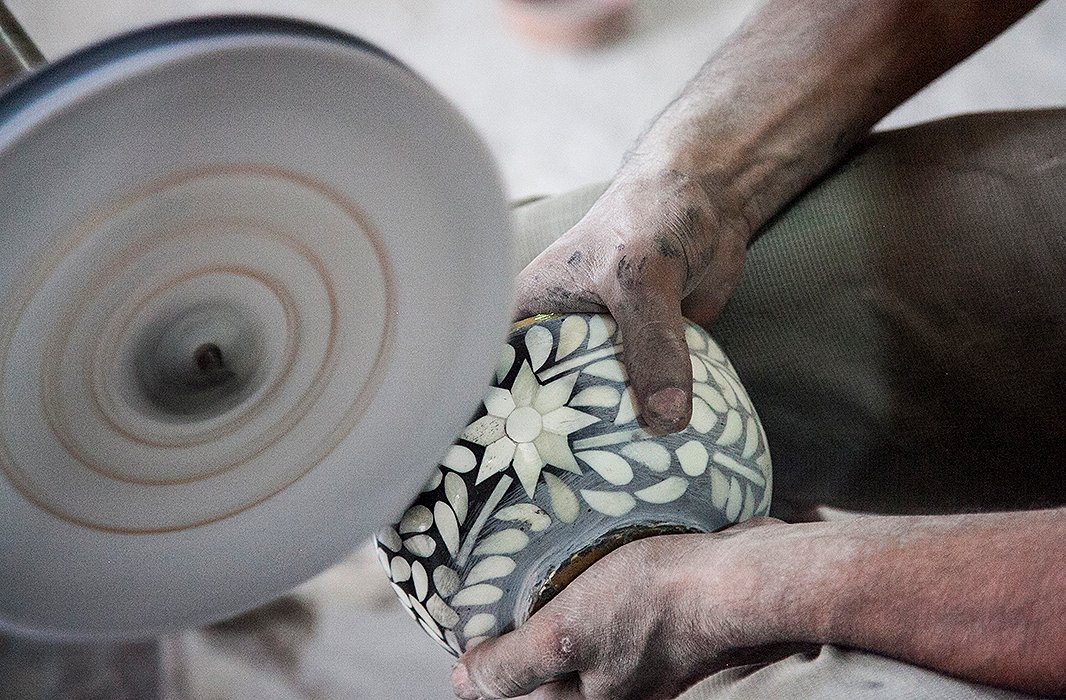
x,y
537,653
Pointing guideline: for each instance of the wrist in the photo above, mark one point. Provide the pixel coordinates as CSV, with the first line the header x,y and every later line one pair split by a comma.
x,y
746,169
773,584
682,184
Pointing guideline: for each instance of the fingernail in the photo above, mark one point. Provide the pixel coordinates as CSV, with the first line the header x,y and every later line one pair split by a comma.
x,y
462,685
666,409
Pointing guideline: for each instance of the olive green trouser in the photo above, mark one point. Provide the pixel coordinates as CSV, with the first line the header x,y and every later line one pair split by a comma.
x,y
901,329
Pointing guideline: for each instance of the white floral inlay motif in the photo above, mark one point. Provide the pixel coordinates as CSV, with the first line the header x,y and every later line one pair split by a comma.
x,y
527,427
453,556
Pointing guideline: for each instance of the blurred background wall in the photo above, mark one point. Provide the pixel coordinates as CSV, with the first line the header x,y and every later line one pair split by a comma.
x,y
556,120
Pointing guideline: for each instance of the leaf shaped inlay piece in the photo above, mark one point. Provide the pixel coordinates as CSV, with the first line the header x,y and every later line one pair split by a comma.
x,y
503,542
734,427
420,545
613,503
479,624
458,496
572,334
399,570
418,518
611,369
564,502
478,594
600,396
539,342
447,526
446,580
441,612
601,327
459,459
503,367
703,418
665,491
528,513
693,457
420,580
490,568
613,468
651,454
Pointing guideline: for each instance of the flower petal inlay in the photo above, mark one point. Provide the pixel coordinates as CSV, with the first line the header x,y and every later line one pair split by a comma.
x,y
388,537
420,545
751,438
498,402
525,386
420,580
703,418
601,327
497,458
506,361
627,409
528,465
699,372
555,450
484,431
693,457
743,470
610,368
601,396
441,612
734,426
712,396
446,580
399,569
566,420
554,394
479,624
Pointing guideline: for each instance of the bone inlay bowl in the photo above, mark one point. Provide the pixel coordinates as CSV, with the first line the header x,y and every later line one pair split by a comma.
x,y
555,470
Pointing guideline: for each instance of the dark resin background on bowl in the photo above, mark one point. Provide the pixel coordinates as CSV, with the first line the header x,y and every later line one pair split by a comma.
x,y
556,464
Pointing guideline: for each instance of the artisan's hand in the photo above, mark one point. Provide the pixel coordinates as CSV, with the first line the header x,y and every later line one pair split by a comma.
x,y
782,101
653,246
981,597
645,622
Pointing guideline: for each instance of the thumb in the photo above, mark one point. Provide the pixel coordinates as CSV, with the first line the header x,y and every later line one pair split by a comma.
x,y
656,357
516,663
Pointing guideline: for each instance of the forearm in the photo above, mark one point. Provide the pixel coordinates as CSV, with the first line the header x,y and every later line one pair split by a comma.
x,y
799,84
982,597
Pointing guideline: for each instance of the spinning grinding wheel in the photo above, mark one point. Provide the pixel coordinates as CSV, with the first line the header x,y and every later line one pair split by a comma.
x,y
238,289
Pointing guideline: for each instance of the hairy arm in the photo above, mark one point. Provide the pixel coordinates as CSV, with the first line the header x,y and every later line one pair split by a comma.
x,y
800,83
981,597
770,112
